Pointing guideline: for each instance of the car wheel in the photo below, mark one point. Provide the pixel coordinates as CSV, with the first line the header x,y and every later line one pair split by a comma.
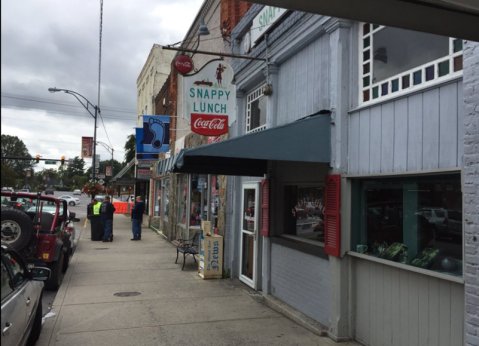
x,y
71,203
66,259
37,324
17,228
56,277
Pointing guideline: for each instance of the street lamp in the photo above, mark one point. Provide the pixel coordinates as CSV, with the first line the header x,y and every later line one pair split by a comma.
x,y
87,107
109,149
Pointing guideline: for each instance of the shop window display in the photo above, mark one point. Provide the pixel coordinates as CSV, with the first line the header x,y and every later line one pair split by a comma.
x,y
215,200
166,198
182,198
157,206
416,221
304,212
199,199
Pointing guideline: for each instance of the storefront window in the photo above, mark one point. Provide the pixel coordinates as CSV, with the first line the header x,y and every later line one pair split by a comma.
x,y
166,198
415,221
157,206
199,199
214,200
182,198
304,212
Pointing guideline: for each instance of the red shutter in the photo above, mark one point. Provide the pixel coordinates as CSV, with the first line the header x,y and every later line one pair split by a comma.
x,y
332,217
264,208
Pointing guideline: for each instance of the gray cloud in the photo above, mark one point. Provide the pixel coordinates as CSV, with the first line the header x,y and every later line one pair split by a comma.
x,y
53,43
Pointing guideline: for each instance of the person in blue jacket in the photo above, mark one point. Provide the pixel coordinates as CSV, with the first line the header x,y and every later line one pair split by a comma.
x,y
137,218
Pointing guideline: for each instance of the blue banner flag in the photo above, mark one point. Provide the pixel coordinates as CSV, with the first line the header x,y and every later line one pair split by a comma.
x,y
153,137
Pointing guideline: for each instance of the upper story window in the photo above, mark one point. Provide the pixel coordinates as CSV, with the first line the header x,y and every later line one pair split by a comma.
x,y
256,110
395,61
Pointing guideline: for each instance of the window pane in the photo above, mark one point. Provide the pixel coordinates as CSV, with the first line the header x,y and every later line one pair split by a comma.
x,y
415,221
430,73
366,81
405,81
157,206
366,28
6,287
166,198
15,265
249,209
375,92
457,45
395,85
366,42
258,113
305,212
199,199
398,50
366,68
182,198
366,95
417,77
458,63
443,68
384,89
215,200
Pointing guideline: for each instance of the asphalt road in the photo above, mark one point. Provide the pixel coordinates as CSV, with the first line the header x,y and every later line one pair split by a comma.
x,y
81,212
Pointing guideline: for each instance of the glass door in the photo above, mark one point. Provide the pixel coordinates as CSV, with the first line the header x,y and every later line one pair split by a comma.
x,y
249,233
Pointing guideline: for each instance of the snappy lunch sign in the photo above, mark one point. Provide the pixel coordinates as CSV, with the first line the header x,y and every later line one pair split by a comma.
x,y
210,99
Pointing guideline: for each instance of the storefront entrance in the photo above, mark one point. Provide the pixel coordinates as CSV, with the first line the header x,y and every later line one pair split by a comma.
x,y
249,234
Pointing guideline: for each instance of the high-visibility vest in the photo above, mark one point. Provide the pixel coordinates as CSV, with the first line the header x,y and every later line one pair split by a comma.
x,y
96,209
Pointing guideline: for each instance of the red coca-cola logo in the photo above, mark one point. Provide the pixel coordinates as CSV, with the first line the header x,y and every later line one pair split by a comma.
x,y
183,64
209,124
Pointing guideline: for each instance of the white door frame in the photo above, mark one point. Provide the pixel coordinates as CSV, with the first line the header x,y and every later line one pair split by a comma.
x,y
255,186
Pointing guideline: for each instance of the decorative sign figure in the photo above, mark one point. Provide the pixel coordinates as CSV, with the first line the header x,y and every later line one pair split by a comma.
x,y
210,99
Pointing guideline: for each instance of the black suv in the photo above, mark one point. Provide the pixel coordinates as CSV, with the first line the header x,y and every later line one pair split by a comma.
x,y
48,192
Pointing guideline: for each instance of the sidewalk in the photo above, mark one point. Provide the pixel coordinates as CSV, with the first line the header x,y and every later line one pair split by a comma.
x,y
158,304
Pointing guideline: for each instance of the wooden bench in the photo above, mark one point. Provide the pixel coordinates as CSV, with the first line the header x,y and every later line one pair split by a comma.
x,y
187,247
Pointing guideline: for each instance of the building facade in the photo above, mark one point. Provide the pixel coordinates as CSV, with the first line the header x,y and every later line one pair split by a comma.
x,y
348,183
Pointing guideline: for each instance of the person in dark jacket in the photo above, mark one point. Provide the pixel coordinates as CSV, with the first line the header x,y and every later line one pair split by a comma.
x,y
106,212
137,218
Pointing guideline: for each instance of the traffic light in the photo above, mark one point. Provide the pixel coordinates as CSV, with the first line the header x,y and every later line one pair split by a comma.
x,y
63,160
38,159
129,187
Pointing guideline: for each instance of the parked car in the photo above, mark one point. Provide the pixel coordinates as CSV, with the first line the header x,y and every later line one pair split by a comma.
x,y
19,203
7,189
25,190
447,223
70,200
48,192
77,192
41,237
100,198
22,291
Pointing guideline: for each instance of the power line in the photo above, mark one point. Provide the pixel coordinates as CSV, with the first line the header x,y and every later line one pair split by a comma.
x,y
65,113
69,104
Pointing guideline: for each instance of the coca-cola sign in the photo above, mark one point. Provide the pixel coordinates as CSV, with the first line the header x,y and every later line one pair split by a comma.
x,y
209,124
183,64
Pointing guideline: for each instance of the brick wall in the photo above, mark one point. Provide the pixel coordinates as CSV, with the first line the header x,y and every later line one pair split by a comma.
x,y
471,189
231,13
302,281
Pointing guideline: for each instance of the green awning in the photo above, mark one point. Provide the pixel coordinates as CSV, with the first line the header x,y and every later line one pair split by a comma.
x,y
305,140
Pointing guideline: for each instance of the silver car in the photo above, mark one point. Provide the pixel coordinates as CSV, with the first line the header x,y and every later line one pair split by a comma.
x,y
22,291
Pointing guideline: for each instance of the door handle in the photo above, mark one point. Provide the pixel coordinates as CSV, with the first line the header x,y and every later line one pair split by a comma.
x,y
28,301
6,331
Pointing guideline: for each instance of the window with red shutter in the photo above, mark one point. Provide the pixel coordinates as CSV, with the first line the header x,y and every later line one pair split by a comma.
x,y
332,217
264,231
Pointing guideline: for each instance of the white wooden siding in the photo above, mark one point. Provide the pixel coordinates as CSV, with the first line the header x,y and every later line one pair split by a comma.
x,y
303,82
419,132
399,307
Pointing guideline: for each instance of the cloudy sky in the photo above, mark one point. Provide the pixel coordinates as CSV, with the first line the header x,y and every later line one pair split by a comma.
x,y
53,43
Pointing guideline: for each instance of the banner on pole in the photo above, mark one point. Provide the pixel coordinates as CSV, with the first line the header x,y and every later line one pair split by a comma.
x,y
87,147
108,170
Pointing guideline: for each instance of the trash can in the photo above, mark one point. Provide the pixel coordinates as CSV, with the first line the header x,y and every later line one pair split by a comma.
x,y
96,227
